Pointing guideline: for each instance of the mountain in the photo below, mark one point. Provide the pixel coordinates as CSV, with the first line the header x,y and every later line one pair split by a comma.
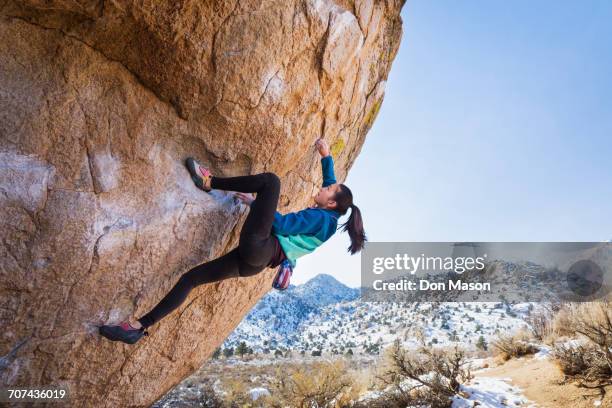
x,y
324,314
278,316
323,290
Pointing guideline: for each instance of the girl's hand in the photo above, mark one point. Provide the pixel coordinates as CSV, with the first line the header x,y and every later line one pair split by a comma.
x,y
322,147
246,198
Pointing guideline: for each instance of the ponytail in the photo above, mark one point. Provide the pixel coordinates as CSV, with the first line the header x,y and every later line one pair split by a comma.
x,y
354,225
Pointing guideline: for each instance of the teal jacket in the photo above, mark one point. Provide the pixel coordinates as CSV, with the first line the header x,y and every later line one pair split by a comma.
x,y
301,232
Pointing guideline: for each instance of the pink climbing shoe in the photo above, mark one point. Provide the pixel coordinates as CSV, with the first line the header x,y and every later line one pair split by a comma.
x,y
199,174
122,332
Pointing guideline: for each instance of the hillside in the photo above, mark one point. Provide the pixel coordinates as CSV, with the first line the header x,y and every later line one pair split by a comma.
x,y
323,314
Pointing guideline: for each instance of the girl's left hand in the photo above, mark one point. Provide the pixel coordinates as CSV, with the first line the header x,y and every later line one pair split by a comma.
x,y
322,147
246,198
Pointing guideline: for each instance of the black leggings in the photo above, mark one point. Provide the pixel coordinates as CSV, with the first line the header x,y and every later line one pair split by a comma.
x,y
251,256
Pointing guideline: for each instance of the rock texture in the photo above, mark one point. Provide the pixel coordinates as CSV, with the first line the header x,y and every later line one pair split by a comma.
x,y
100,102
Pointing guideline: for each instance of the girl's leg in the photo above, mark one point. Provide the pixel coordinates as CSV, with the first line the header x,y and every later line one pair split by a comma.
x,y
255,241
249,258
227,266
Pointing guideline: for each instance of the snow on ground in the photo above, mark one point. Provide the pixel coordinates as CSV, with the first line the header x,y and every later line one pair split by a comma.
x,y
544,352
481,392
372,327
491,393
258,392
479,364
323,314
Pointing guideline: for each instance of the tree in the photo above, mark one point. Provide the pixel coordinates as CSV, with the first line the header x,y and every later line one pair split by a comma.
x,y
316,353
241,349
228,352
217,353
482,344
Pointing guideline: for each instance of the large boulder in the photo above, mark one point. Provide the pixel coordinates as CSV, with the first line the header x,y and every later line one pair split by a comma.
x,y
100,103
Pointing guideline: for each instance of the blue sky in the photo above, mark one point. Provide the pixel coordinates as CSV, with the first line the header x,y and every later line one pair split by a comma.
x,y
496,126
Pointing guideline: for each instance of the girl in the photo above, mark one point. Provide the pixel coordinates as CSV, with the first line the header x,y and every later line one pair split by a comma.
x,y
267,238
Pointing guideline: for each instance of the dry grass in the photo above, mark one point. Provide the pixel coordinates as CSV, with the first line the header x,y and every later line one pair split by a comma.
x,y
562,323
331,382
588,362
206,398
541,322
323,384
514,345
237,394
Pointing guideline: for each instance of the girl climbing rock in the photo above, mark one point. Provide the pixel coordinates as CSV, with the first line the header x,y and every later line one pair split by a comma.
x,y
267,239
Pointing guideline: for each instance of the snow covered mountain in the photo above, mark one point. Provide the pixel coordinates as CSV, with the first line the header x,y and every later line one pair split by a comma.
x,y
323,290
323,314
280,315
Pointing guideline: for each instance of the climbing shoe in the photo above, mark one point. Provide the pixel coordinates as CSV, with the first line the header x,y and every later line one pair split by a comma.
x,y
200,175
123,332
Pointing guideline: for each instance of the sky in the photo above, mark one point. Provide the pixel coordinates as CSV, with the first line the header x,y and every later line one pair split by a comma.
x,y
496,125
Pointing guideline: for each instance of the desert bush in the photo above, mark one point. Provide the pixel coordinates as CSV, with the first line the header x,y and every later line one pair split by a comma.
x,y
362,380
207,398
426,376
588,362
514,345
541,321
322,384
562,323
593,320
237,395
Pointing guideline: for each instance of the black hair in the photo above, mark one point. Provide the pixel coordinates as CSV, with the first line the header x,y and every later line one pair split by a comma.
x,y
354,225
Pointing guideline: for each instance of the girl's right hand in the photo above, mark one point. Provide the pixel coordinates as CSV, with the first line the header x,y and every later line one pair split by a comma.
x,y
322,147
246,198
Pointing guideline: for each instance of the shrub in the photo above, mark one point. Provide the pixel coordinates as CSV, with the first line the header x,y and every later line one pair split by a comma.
x,y
561,324
427,376
541,322
207,398
236,394
588,363
513,346
319,385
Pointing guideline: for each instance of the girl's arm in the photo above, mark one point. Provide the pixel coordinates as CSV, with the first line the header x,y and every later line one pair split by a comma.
x,y
327,163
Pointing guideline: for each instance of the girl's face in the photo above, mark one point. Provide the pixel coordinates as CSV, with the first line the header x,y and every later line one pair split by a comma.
x,y
325,196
